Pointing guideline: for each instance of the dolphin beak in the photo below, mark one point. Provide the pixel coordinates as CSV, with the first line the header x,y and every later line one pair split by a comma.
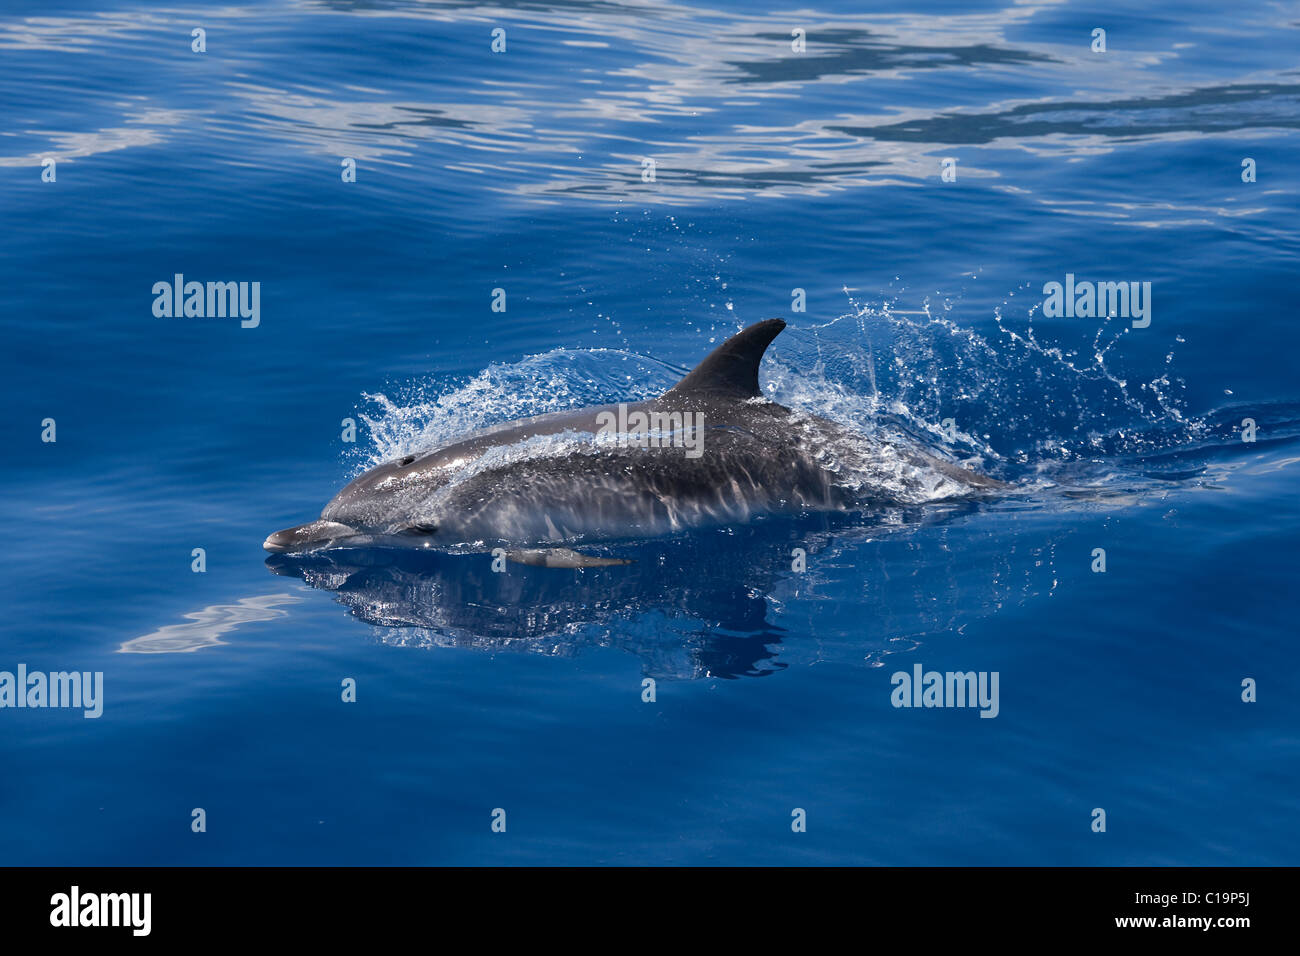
x,y
311,536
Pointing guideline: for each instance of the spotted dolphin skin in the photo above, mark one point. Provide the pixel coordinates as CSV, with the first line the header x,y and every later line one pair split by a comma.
x,y
709,451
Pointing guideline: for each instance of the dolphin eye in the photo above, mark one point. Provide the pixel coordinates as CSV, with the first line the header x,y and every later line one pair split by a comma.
x,y
407,460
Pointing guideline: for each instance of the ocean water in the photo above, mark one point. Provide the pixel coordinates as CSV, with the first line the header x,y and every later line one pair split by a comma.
x,y
922,312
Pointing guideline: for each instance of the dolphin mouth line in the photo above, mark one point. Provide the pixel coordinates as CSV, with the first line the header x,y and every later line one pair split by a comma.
x,y
273,545
312,536
323,535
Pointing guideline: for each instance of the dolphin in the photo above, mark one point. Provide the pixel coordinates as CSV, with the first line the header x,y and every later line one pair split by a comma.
x,y
710,451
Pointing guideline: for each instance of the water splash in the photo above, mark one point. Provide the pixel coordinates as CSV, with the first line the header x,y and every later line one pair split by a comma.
x,y
1012,404
1016,403
423,415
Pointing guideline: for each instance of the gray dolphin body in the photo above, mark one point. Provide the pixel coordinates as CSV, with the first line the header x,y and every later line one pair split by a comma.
x,y
548,482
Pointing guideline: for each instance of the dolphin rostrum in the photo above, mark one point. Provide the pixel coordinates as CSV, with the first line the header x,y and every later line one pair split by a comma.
x,y
709,451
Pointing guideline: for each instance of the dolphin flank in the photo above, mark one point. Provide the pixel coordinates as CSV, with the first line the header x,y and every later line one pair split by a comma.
x,y
709,451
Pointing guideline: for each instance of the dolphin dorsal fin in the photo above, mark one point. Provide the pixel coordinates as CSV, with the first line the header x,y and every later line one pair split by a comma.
x,y
732,368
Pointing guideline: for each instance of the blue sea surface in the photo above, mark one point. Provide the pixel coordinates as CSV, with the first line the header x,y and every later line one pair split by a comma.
x,y
806,184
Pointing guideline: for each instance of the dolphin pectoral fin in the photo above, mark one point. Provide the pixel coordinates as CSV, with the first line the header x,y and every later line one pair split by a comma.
x,y
561,558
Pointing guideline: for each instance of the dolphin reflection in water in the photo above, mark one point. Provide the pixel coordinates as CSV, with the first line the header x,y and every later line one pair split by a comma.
x,y
710,603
